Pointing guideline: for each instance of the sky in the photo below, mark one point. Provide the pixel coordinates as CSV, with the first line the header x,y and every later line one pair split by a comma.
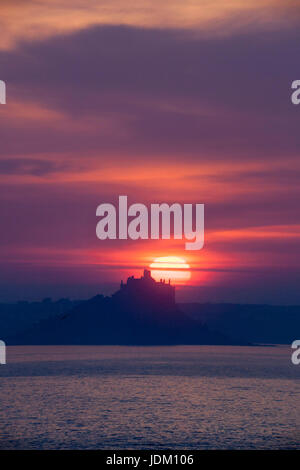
x,y
183,102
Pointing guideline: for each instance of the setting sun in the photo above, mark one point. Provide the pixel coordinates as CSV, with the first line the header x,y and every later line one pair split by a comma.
x,y
170,267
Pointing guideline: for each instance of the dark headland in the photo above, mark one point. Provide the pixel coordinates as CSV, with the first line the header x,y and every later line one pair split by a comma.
x,y
141,312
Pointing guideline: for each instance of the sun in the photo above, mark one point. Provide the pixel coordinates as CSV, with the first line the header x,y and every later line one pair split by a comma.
x,y
170,267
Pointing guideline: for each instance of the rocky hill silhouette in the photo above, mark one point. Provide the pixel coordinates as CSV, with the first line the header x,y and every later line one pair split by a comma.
x,y
141,312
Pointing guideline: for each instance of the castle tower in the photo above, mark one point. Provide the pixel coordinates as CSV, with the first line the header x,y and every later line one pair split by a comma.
x,y
146,290
147,274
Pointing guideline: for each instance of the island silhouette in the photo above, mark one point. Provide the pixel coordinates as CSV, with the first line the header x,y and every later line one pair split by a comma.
x,y
142,312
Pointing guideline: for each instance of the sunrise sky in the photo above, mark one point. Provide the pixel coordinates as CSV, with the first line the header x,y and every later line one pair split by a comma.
x,y
164,102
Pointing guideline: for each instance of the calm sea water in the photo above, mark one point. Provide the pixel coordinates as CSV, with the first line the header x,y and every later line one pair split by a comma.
x,y
184,397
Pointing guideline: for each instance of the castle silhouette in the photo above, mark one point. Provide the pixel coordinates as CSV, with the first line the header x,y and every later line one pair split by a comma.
x,y
147,291
142,312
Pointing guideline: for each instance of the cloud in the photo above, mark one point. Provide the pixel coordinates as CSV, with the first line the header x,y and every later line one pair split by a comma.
x,y
35,20
29,166
134,92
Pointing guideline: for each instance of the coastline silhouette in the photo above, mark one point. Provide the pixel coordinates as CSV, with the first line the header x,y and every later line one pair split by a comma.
x,y
141,312
144,312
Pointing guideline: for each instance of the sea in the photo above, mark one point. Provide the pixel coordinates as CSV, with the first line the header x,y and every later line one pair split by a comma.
x,y
178,397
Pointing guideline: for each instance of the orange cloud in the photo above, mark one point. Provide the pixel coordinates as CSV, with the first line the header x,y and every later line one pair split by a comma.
x,y
33,20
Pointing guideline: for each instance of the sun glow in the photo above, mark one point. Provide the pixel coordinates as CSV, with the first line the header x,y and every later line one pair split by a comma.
x,y
170,267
